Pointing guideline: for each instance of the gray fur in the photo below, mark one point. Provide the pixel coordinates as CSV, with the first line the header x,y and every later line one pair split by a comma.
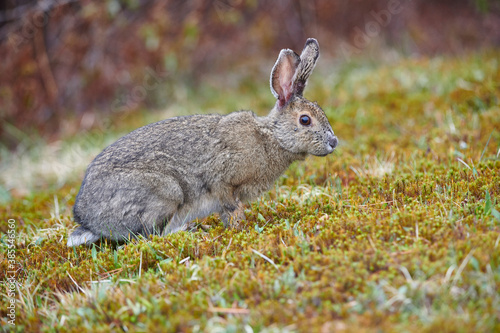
x,y
163,175
308,58
82,235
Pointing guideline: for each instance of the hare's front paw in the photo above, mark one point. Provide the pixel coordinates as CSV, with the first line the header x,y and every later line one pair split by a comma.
x,y
234,219
193,227
237,223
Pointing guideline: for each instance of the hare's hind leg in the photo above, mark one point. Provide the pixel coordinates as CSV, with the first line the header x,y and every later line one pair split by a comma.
x,y
140,204
161,206
200,207
176,223
122,205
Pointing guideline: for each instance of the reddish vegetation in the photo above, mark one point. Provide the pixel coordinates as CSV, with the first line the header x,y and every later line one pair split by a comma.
x,y
76,58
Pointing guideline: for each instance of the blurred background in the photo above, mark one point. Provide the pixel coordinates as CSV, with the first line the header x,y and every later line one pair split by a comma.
x,y
66,65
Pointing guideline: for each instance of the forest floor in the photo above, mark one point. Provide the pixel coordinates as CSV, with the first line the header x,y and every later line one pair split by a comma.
x,y
397,231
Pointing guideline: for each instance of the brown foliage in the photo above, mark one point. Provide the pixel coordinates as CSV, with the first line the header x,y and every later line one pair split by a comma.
x,y
75,58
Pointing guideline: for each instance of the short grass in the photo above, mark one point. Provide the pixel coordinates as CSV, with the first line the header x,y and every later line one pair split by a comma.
x,y
397,231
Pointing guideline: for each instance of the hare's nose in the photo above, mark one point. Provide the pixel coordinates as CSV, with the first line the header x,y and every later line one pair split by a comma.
x,y
333,141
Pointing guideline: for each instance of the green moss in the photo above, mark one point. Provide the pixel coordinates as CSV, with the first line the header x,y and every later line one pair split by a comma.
x,y
395,232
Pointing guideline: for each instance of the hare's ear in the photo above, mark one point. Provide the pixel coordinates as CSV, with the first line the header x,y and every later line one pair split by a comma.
x,y
282,76
308,58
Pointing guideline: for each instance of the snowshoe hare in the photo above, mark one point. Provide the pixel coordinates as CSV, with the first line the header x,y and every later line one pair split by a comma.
x,y
162,176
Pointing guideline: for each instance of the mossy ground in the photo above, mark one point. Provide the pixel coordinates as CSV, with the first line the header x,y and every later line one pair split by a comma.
x,y
396,231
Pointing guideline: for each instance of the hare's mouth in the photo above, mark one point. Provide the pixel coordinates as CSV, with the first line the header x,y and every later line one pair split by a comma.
x,y
329,147
323,155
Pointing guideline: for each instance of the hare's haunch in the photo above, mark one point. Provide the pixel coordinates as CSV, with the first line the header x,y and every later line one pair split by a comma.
x,y
162,176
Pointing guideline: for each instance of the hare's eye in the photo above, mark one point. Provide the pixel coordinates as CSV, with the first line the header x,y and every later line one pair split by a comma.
x,y
305,120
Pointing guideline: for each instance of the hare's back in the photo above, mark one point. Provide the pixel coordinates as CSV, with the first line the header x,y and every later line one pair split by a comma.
x,y
181,141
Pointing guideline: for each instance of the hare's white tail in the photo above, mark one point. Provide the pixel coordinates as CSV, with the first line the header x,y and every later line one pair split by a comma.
x,y
82,235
